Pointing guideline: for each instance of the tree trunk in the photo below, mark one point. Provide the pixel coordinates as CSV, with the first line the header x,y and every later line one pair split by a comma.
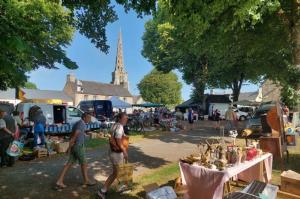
x,y
199,81
198,92
236,87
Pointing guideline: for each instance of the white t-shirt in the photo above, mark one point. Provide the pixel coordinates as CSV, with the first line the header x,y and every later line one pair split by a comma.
x,y
2,124
118,130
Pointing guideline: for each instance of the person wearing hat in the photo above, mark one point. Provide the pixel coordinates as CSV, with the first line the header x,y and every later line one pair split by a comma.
x,y
6,137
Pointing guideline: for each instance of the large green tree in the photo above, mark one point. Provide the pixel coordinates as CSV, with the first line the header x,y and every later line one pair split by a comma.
x,y
33,34
168,50
30,85
227,42
159,87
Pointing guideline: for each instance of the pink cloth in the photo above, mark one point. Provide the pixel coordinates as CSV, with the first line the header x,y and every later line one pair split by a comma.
x,y
253,173
204,183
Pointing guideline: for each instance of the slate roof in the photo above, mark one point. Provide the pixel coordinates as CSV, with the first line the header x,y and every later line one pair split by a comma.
x,y
97,88
186,104
36,94
8,94
209,99
250,96
45,94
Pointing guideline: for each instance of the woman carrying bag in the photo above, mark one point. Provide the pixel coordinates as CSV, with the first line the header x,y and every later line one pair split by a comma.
x,y
118,152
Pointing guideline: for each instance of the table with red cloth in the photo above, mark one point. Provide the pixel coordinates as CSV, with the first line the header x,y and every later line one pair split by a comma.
x,y
205,183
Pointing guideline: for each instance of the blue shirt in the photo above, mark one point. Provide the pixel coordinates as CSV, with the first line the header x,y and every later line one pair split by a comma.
x,y
80,127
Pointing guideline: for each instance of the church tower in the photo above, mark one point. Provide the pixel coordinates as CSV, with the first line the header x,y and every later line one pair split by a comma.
x,y
120,76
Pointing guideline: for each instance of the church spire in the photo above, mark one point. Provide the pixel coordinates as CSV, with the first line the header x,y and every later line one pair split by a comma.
x,y
119,58
120,76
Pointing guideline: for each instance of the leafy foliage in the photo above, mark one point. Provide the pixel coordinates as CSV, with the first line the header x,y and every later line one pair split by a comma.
x,y
159,87
33,34
290,96
221,44
30,85
90,17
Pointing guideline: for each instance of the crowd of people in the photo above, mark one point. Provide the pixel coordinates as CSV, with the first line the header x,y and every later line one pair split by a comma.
x,y
118,150
10,126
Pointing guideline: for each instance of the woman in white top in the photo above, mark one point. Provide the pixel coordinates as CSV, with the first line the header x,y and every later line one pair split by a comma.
x,y
116,157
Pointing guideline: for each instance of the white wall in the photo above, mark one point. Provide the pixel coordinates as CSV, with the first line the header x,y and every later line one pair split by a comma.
x,y
14,101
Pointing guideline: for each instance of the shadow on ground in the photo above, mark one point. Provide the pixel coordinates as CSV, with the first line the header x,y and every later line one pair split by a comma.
x,y
36,178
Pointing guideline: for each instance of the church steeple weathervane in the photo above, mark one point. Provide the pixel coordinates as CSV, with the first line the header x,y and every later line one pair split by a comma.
x,y
119,76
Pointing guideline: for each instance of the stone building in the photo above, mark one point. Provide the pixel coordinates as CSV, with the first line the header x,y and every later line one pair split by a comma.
x,y
270,91
80,90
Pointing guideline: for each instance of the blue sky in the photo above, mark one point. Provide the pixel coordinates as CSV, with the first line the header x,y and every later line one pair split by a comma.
x,y
98,66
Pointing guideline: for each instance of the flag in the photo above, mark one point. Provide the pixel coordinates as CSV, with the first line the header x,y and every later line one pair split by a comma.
x,y
20,94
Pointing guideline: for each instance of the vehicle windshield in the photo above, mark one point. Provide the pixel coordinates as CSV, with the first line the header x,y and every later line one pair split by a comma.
x,y
261,111
258,113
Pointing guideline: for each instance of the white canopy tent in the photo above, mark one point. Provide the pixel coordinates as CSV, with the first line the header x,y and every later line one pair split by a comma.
x,y
117,103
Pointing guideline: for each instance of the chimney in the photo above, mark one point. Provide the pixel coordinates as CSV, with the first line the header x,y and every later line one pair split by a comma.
x,y
71,78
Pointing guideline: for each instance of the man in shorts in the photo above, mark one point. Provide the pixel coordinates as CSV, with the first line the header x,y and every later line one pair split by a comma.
x,y
77,152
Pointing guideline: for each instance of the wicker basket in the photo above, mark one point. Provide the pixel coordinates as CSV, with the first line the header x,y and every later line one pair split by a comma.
x,y
61,147
125,173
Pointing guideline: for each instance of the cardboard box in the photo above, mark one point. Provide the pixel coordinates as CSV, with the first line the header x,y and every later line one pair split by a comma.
x,y
61,147
96,135
290,182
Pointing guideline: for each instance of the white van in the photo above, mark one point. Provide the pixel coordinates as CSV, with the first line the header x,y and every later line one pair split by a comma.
x,y
55,114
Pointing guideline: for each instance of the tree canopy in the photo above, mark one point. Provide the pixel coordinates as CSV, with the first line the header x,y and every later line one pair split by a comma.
x,y
162,88
30,85
36,33
224,43
33,34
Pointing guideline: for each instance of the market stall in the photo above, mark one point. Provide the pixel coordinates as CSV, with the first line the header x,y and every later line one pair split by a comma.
x,y
119,104
207,172
209,182
148,105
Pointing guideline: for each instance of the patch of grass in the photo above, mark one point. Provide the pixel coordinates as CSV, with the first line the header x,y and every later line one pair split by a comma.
x,y
95,143
134,136
162,176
